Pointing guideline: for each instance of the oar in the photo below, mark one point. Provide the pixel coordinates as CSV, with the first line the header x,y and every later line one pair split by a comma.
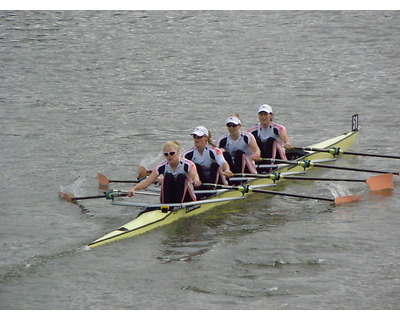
x,y
309,164
376,183
171,206
104,181
336,151
107,195
246,189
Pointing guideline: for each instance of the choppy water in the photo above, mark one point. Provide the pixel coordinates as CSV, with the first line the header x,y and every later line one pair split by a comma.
x,y
87,92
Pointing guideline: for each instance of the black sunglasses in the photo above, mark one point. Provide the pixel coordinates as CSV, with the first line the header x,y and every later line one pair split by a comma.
x,y
171,153
195,136
232,125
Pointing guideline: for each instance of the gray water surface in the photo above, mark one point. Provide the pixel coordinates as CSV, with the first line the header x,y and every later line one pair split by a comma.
x,y
100,91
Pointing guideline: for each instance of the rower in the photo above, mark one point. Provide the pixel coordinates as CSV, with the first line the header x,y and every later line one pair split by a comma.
x,y
272,138
240,148
209,160
180,175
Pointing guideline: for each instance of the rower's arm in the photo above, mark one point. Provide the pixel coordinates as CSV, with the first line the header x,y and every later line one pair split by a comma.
x,y
194,176
143,184
254,149
285,138
226,169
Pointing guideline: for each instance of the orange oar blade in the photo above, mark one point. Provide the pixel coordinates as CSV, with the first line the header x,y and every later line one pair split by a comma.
x,y
347,199
103,180
66,196
381,182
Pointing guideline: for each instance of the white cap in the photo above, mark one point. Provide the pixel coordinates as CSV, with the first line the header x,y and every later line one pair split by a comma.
x,y
265,108
233,120
200,131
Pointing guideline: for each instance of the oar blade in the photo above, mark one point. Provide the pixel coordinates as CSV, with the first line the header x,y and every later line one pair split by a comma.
x,y
103,180
348,199
381,182
66,196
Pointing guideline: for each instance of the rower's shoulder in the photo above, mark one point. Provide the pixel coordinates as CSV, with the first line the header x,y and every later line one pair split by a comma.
x,y
251,130
183,159
188,151
215,150
225,136
279,126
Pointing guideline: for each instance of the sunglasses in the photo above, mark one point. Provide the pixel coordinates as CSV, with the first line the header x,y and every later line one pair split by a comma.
x,y
231,125
195,136
171,153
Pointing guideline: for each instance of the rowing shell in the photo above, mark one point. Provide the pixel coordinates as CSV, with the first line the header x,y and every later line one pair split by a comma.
x,y
149,220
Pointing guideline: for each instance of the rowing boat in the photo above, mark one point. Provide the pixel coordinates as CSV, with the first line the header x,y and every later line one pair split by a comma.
x,y
169,213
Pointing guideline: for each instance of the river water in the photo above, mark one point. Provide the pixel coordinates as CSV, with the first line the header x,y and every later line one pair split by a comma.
x,y
100,91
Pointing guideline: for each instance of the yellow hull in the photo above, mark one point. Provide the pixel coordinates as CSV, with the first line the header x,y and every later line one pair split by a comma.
x,y
153,219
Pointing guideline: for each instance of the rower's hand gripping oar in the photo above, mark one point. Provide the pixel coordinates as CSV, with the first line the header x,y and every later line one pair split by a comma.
x,y
246,189
336,151
376,183
309,164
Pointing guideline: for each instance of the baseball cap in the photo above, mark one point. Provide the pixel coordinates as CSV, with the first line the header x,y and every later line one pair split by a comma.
x,y
265,108
200,131
234,120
